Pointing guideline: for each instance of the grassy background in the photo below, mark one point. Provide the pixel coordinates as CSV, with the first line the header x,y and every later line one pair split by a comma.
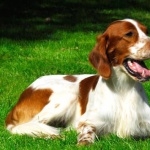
x,y
55,37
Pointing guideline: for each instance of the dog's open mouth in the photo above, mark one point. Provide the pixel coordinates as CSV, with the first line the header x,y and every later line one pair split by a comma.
x,y
137,69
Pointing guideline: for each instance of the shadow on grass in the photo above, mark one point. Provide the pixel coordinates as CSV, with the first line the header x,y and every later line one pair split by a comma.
x,y
35,20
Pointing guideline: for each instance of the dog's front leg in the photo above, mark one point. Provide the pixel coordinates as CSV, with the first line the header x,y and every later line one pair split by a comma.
x,y
87,133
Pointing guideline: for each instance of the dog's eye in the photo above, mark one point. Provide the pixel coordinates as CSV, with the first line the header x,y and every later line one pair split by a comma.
x,y
129,34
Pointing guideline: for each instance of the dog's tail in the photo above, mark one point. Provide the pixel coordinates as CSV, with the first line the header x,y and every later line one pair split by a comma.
x,y
34,129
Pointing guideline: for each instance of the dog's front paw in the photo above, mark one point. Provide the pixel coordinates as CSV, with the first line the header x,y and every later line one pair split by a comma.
x,y
86,134
85,141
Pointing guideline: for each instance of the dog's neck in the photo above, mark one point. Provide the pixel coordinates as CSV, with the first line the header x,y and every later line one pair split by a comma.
x,y
120,80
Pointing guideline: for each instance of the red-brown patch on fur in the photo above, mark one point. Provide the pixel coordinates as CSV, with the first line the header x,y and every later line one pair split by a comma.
x,y
30,103
99,59
70,78
85,86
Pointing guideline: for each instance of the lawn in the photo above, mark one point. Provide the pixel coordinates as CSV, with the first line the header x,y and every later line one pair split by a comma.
x,y
56,38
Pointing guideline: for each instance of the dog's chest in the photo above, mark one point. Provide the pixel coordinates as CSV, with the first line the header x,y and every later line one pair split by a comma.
x,y
119,111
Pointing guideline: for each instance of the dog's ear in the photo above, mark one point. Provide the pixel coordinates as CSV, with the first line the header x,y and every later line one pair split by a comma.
x,y
98,57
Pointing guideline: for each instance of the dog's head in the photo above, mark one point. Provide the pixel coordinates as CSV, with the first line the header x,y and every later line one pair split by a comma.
x,y
124,43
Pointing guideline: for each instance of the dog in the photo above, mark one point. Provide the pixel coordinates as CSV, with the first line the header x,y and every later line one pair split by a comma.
x,y
111,101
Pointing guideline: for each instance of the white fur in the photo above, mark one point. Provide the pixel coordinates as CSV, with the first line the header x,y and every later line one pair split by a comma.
x,y
35,129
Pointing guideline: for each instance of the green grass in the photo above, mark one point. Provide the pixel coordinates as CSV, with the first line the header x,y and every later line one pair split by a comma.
x,y
30,48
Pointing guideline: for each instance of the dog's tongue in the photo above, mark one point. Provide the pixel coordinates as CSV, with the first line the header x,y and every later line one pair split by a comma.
x,y
136,67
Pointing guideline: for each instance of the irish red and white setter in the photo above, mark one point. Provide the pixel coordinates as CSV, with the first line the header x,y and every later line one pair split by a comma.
x,y
112,101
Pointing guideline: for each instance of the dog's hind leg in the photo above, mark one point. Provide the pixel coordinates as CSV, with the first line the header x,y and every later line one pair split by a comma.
x,y
34,129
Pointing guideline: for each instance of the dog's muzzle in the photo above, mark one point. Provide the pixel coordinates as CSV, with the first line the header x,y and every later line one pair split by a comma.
x,y
137,69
